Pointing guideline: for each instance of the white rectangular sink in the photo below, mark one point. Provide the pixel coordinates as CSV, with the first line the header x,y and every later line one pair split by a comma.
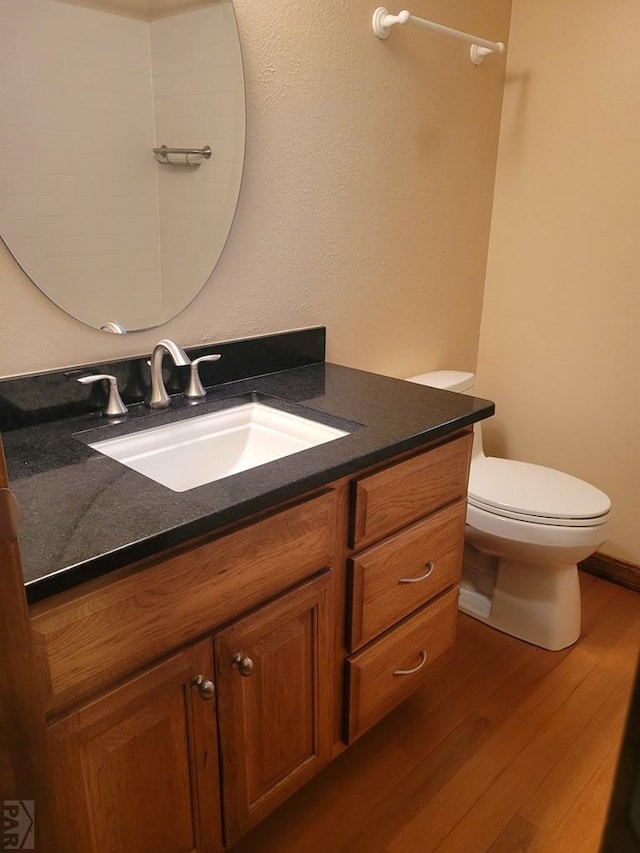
x,y
209,447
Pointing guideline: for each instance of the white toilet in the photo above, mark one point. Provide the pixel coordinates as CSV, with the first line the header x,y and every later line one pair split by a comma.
x,y
527,528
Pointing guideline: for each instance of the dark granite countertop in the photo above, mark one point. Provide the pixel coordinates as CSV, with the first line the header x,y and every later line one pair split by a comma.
x,y
84,514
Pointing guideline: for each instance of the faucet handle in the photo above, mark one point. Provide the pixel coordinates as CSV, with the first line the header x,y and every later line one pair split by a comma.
x,y
195,389
115,407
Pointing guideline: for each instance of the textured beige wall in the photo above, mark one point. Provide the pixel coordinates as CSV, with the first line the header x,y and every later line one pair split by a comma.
x,y
560,341
365,204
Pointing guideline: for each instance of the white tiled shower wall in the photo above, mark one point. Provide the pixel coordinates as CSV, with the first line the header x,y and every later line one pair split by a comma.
x,y
77,132
82,192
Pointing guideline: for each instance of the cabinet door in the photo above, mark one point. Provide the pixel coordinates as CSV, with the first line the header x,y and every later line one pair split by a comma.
x,y
274,670
137,769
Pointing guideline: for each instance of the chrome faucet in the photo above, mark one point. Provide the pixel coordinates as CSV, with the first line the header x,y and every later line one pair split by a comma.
x,y
159,399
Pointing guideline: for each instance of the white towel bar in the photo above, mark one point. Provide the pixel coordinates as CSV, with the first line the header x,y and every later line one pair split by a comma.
x,y
382,22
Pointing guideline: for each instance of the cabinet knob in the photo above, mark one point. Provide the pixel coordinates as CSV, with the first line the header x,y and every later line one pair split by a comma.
x,y
243,664
206,689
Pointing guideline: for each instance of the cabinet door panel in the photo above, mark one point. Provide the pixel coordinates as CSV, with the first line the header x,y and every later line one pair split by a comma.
x,y
137,769
275,722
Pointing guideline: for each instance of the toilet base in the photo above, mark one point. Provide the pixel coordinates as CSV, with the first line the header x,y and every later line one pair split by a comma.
x,y
537,603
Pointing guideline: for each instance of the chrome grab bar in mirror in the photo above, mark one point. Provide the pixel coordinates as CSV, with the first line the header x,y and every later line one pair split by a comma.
x,y
164,153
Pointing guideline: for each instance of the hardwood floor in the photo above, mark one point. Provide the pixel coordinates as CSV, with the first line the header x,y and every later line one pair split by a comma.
x,y
509,748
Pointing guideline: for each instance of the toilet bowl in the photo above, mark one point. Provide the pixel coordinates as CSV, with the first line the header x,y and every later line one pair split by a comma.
x,y
527,527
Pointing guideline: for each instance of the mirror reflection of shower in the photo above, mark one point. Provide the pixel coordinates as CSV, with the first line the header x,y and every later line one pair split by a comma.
x,y
106,230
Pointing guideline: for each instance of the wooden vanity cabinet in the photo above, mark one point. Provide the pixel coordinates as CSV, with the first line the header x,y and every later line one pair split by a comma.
x,y
138,767
136,757
191,694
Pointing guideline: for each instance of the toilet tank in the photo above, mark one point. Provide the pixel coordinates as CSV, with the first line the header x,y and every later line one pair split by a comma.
x,y
453,380
447,380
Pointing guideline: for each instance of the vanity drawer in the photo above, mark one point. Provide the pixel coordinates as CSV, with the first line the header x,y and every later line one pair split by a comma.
x,y
85,640
380,676
392,579
404,492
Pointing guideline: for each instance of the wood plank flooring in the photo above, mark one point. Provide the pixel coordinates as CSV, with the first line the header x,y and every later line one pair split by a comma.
x,y
508,748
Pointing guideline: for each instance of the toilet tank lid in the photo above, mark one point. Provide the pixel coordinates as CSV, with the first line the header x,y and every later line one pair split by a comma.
x,y
448,380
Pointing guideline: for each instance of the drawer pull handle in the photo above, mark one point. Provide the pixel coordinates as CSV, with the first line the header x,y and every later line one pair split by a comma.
x,y
205,688
423,660
430,566
244,665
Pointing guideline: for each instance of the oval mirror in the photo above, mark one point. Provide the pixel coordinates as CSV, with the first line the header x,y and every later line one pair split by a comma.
x,y
122,133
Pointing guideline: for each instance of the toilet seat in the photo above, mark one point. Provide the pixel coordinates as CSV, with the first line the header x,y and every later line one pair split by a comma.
x,y
535,494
